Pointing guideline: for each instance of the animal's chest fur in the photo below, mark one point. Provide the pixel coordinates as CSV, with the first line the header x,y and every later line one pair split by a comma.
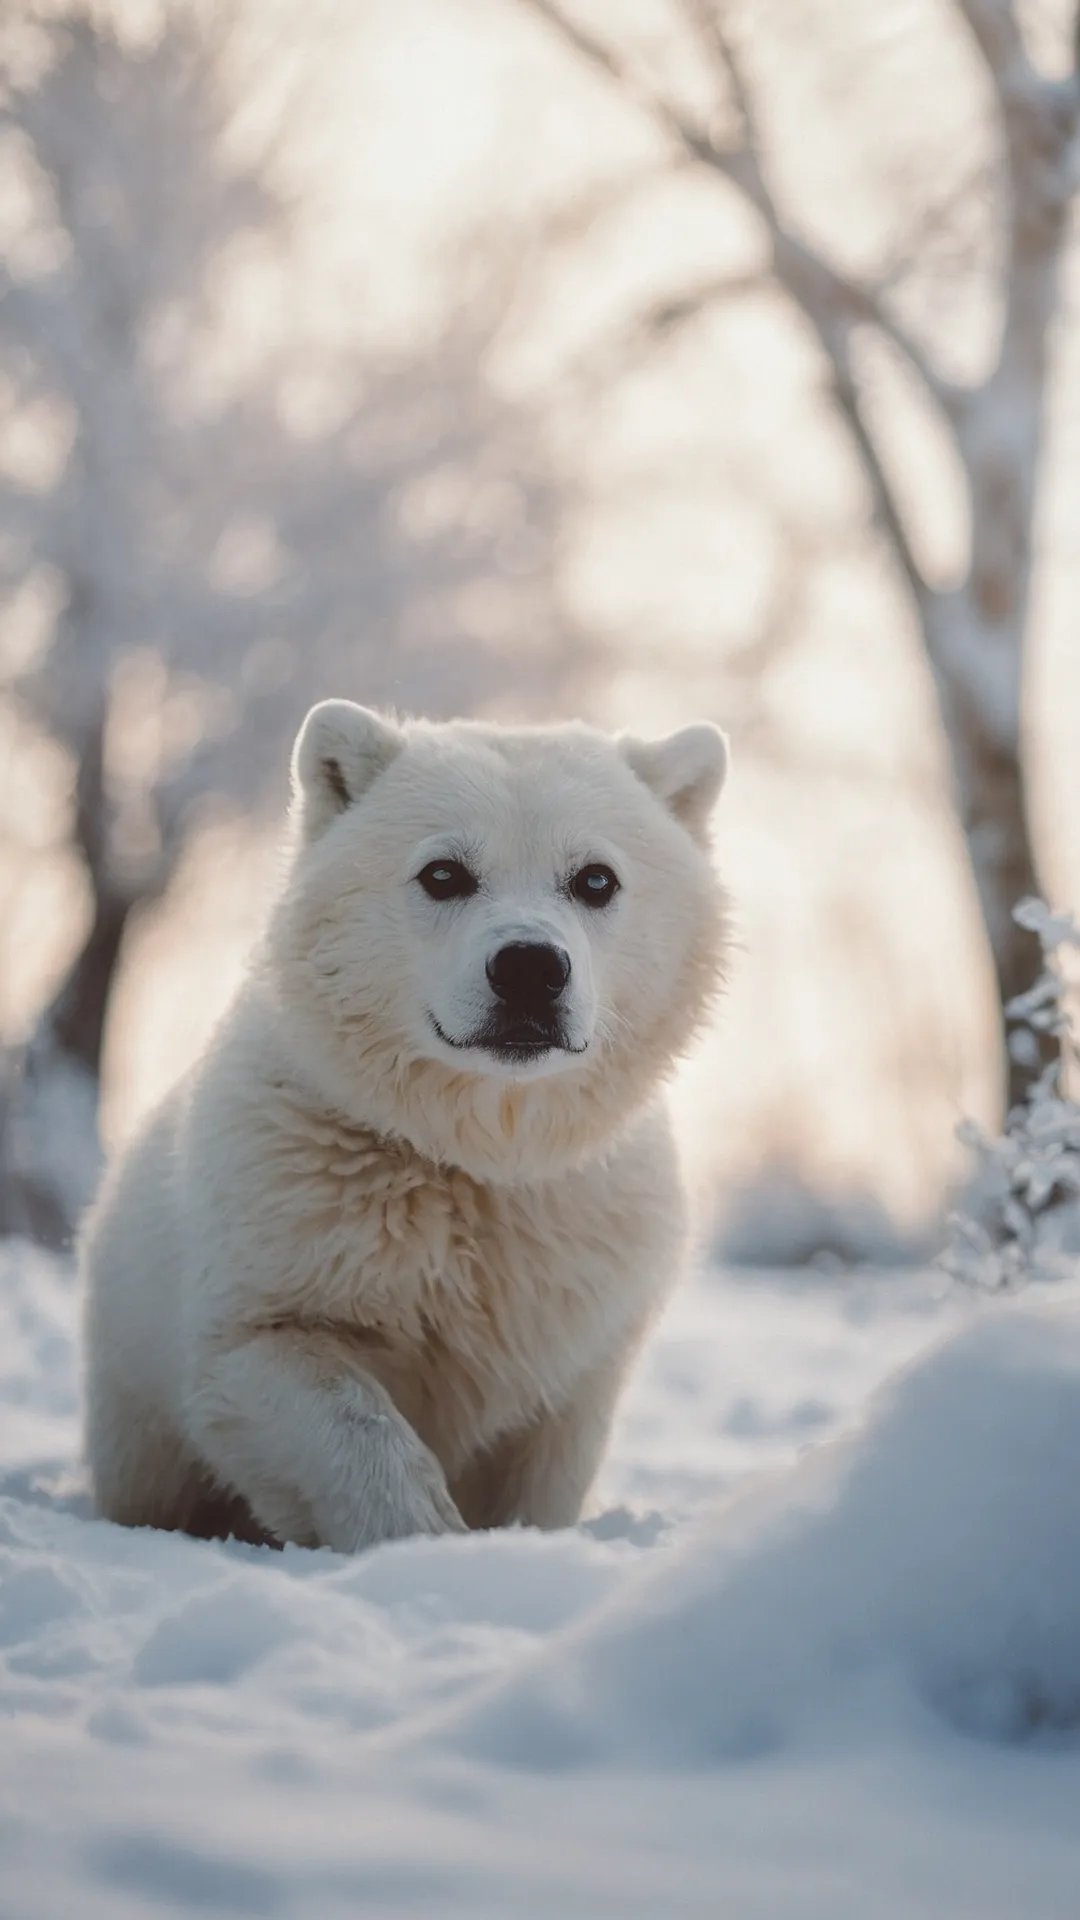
x,y
476,1307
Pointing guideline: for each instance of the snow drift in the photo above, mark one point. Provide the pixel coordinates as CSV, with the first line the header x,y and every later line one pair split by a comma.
x,y
767,1713
929,1564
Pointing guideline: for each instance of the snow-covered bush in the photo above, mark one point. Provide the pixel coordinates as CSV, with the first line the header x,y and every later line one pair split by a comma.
x,y
1021,1214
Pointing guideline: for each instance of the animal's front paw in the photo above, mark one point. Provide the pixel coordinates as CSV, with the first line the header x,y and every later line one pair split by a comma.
x,y
433,1511
400,1489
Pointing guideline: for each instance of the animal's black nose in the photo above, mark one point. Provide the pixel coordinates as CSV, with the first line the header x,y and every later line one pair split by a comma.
x,y
529,978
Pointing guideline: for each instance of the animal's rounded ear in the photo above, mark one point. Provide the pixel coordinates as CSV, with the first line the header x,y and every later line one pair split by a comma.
x,y
340,749
685,772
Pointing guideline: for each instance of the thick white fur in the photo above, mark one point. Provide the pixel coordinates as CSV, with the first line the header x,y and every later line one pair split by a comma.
x,y
355,1281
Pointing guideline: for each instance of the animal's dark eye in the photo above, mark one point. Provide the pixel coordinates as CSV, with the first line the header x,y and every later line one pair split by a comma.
x,y
447,880
594,886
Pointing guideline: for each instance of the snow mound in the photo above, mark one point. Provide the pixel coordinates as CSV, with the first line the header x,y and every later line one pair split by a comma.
x,y
767,1714
929,1566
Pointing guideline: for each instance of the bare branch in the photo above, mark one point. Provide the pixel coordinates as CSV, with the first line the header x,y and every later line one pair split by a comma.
x,y
942,219
1039,116
600,55
693,140
996,31
886,508
706,17
826,295
831,303
812,285
861,302
669,314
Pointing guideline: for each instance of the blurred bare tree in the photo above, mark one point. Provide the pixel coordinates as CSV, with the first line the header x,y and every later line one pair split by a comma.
x,y
221,531
974,630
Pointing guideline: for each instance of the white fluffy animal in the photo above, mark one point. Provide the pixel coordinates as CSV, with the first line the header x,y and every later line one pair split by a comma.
x,y
379,1264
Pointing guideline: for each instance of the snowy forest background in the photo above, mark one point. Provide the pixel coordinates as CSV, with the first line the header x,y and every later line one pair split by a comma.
x,y
506,358
526,358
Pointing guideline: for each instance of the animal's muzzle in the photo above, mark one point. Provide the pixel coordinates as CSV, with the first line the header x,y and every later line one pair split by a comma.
x,y
528,978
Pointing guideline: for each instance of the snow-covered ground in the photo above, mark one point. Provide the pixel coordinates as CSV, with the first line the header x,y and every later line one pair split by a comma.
x,y
782,1674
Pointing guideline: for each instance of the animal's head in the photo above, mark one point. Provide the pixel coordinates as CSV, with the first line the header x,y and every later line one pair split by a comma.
x,y
492,942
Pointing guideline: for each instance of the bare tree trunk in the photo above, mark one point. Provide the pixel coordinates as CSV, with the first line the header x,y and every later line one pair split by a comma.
x,y
76,1018
999,435
49,1147
994,818
75,1022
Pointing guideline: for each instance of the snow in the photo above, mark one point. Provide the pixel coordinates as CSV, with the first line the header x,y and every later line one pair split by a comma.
x,y
818,1656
